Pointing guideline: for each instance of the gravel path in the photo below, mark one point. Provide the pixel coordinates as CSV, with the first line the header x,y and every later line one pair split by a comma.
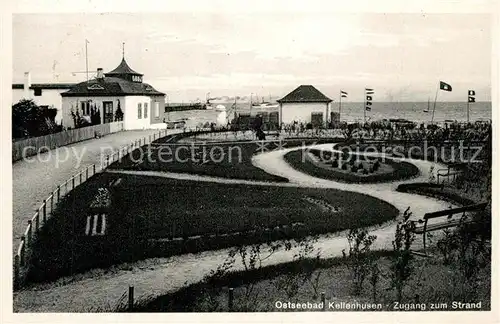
x,y
158,276
36,177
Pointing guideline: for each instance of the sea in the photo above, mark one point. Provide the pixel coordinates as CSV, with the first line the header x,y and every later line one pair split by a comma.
x,y
353,111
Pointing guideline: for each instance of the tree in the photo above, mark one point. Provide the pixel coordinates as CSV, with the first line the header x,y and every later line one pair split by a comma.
x,y
95,116
28,119
119,112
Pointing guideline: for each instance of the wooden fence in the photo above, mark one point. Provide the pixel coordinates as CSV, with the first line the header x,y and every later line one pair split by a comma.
x,y
44,212
32,146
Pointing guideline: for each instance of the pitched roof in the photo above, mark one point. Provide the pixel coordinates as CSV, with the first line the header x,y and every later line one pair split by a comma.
x,y
123,68
305,93
111,86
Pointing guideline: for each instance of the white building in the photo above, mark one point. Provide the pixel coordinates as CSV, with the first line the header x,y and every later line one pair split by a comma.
x,y
46,95
141,104
306,104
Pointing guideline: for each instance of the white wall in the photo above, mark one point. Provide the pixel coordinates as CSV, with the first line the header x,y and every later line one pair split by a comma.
x,y
49,97
131,119
69,103
301,112
161,105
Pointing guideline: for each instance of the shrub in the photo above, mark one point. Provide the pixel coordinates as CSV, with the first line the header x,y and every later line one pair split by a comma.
x,y
401,262
360,262
365,171
376,165
344,166
466,251
335,163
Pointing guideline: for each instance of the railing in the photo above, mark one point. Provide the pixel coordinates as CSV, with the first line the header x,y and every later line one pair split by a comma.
x,y
45,211
35,145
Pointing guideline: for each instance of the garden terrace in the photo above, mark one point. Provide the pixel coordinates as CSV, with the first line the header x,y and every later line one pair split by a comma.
x,y
177,216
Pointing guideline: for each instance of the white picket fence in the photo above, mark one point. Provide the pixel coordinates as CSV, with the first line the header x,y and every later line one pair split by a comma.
x,y
32,146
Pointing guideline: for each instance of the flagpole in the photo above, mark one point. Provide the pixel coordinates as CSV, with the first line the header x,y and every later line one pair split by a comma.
x,y
434,109
468,103
86,60
340,104
364,109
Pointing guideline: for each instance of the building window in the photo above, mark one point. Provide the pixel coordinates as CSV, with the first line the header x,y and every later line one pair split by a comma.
x,y
139,110
38,92
157,109
85,108
145,110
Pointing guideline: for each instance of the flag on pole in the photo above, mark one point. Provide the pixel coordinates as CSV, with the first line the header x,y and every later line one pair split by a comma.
x,y
472,95
444,86
343,94
369,98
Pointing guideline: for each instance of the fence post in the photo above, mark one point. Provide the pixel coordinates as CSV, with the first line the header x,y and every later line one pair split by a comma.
x,y
52,204
230,299
80,175
44,211
37,222
130,297
73,183
58,193
86,173
23,249
30,229
93,166
323,300
17,267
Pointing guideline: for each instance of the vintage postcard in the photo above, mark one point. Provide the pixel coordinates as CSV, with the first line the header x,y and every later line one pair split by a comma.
x,y
226,160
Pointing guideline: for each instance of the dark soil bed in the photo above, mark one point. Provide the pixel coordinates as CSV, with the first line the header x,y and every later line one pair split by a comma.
x,y
399,170
146,213
227,160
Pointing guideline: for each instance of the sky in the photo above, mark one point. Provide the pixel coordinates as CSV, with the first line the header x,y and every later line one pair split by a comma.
x,y
403,56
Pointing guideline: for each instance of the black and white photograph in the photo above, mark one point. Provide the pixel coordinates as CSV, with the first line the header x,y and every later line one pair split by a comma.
x,y
249,160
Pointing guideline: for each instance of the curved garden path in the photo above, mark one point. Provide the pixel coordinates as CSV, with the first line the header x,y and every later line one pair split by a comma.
x,y
101,289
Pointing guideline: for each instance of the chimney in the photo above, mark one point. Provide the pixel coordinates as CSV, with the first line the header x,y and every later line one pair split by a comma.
x,y
27,85
100,74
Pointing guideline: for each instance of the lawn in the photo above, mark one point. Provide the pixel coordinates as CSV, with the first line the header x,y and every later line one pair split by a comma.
x,y
431,287
227,160
147,212
391,170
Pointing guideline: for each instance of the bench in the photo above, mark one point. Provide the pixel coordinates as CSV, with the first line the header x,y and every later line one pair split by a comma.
x,y
453,170
426,227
